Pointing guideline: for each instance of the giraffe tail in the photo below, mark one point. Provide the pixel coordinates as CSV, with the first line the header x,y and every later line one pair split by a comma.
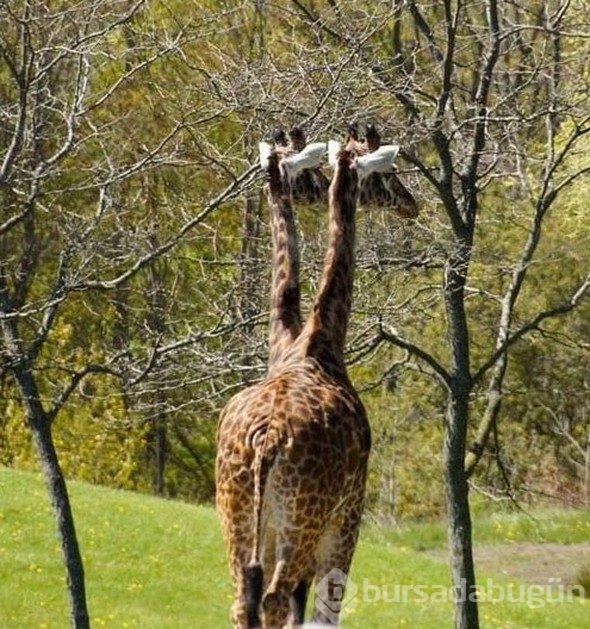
x,y
265,446
254,578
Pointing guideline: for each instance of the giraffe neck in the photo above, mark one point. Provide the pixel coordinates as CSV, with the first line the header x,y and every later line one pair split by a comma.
x,y
285,314
325,330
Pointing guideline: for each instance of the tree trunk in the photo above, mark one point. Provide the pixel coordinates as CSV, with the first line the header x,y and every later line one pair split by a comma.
x,y
40,425
65,524
160,445
458,514
41,428
455,440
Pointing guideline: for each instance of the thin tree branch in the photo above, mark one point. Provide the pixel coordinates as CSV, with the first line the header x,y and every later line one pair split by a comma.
x,y
235,188
391,336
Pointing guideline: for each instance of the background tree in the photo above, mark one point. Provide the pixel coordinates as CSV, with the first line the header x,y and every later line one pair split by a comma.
x,y
78,224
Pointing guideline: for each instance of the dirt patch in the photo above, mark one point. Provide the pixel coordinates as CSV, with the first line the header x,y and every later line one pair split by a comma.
x,y
539,564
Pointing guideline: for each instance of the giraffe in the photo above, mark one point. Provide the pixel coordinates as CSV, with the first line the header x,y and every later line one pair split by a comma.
x,y
293,450
285,313
380,189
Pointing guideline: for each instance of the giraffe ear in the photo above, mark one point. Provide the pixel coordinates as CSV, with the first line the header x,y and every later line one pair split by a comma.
x,y
380,161
310,157
333,150
264,150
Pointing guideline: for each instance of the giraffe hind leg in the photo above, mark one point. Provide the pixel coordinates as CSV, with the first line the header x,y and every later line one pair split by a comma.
x,y
299,595
284,601
275,602
299,601
237,526
334,557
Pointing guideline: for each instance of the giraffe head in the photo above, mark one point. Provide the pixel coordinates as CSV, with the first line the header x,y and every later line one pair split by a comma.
x,y
352,130
352,142
378,182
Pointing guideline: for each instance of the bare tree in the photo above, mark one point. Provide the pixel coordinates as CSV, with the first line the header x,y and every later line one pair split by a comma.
x,y
479,126
76,147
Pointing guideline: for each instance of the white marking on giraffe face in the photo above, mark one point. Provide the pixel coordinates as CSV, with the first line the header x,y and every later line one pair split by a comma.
x,y
310,157
264,150
380,161
333,150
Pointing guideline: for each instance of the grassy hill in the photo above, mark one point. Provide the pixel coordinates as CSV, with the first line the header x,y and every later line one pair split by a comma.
x,y
153,563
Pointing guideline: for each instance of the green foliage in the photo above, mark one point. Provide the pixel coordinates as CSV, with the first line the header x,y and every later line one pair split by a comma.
x,y
97,444
581,580
405,466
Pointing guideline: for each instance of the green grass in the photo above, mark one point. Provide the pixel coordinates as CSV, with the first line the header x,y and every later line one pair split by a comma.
x,y
148,562
499,527
152,563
